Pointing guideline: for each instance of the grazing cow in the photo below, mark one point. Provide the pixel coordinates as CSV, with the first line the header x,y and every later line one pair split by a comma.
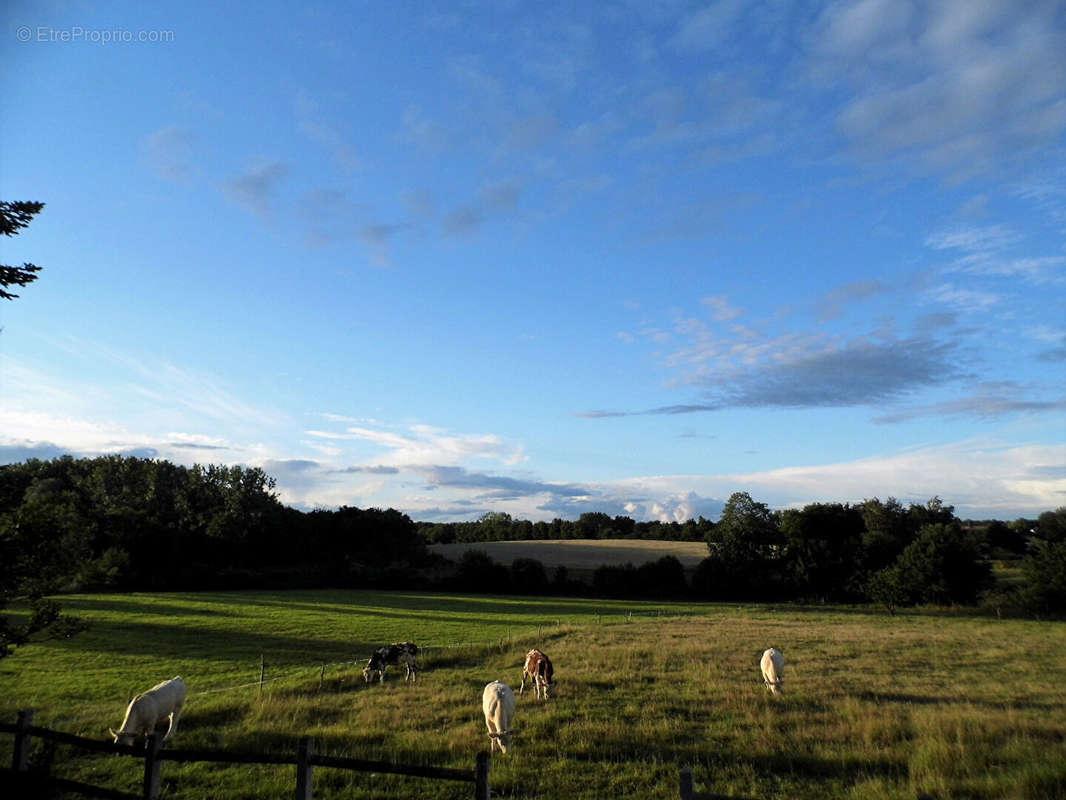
x,y
773,669
146,710
392,655
497,701
538,668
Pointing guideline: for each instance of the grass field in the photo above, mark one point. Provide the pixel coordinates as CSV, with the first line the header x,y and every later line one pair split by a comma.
x,y
875,707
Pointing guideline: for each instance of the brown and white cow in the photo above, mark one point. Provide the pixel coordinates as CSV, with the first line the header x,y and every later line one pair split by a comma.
x,y
538,667
392,655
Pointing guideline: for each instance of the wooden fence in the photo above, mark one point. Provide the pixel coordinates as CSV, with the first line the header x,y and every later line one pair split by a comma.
x,y
304,759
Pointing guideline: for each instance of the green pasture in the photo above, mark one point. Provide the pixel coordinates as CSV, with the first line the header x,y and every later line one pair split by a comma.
x,y
875,706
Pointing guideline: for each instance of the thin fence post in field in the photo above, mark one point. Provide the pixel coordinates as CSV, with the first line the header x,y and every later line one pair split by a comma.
x,y
303,768
686,783
151,767
322,677
20,756
482,790
262,671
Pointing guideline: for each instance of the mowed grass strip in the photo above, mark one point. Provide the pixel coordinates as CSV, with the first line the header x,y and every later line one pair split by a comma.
x,y
874,706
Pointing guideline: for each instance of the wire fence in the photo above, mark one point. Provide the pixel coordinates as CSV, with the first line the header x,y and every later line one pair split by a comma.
x,y
426,651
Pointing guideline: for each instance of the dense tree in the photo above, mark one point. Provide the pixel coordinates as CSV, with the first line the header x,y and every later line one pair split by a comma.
x,y
745,553
822,547
888,531
611,580
1045,566
941,566
477,572
528,576
664,577
14,216
1004,540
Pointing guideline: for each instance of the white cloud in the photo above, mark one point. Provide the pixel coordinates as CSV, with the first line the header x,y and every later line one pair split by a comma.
x,y
420,445
981,478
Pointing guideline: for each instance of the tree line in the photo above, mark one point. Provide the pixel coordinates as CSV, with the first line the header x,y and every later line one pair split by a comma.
x,y
497,526
125,523
876,551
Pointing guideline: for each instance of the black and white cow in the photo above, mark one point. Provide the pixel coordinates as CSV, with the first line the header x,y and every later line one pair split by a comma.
x,y
392,655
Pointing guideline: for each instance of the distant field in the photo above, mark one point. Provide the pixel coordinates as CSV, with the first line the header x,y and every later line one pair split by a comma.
x,y
875,707
582,554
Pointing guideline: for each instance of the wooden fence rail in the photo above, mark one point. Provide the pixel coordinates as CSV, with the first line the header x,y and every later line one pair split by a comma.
x,y
305,759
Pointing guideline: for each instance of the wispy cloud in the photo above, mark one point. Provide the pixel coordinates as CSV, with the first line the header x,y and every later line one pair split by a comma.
x,y
418,445
973,239
832,305
932,83
854,373
498,487
493,199
378,239
254,189
991,401
169,151
707,28
311,123
969,300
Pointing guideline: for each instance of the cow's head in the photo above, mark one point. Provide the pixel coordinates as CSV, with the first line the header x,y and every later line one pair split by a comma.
x,y
503,738
372,669
123,738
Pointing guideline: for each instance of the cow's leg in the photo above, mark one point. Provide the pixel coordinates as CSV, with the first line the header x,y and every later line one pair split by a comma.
x,y
522,688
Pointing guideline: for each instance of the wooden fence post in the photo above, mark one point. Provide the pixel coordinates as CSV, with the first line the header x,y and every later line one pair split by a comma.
x,y
686,783
20,756
303,768
151,766
262,671
482,791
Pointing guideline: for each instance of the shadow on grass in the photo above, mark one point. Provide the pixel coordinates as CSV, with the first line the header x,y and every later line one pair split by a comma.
x,y
710,774
372,601
132,606
926,700
185,642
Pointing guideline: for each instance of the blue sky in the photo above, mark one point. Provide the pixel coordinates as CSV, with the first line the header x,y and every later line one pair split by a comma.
x,y
546,258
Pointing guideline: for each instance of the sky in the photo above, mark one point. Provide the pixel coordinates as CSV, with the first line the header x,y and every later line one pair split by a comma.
x,y
545,258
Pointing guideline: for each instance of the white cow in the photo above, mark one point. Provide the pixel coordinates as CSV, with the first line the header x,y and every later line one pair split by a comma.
x,y
497,702
773,669
146,710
